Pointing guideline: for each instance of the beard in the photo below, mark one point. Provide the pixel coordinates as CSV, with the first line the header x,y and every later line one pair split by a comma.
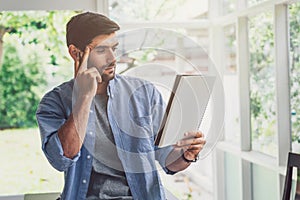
x,y
107,77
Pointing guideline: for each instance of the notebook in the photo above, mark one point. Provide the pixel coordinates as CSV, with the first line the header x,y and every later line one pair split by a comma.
x,y
186,107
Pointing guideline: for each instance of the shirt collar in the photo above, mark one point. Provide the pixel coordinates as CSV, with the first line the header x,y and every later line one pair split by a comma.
x,y
111,86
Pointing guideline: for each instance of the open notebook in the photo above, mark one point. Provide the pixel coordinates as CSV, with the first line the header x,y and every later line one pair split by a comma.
x,y
185,108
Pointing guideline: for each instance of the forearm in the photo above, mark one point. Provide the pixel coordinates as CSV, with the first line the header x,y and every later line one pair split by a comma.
x,y
186,151
175,162
72,133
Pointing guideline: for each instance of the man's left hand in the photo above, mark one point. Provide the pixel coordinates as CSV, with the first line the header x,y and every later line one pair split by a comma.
x,y
192,143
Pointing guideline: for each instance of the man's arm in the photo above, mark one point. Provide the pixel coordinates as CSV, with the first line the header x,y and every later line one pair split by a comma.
x,y
72,133
186,149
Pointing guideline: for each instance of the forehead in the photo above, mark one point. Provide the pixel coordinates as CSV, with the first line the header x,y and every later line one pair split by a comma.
x,y
105,40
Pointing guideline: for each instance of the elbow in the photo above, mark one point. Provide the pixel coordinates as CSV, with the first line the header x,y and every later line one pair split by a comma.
x,y
57,158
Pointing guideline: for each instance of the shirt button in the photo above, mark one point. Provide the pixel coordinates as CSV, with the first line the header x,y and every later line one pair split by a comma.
x,y
88,157
84,181
91,133
91,111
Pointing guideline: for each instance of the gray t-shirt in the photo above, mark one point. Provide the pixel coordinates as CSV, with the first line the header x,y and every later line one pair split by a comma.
x,y
108,180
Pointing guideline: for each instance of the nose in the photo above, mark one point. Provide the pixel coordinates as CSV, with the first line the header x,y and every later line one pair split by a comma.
x,y
111,57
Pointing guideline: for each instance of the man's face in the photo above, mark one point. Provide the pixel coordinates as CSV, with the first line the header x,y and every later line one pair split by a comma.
x,y
102,55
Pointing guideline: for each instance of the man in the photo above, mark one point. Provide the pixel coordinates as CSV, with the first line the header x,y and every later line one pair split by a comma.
x,y
99,128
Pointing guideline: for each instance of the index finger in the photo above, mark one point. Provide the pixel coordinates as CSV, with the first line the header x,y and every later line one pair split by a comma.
x,y
193,134
83,65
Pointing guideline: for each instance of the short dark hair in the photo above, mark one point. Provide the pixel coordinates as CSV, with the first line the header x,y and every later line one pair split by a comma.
x,y
82,28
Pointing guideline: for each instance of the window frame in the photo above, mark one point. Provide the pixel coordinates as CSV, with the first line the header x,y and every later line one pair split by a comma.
x,y
283,130
215,23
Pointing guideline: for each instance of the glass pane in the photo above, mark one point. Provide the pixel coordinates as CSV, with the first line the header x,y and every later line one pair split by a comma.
x,y
230,81
263,180
254,2
193,183
232,177
24,168
262,83
168,52
230,49
229,6
163,10
294,21
34,59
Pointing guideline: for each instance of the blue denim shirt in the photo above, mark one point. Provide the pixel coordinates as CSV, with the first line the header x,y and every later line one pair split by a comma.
x,y
135,109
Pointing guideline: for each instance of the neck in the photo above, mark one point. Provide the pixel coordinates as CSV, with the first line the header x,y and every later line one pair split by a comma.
x,y
102,88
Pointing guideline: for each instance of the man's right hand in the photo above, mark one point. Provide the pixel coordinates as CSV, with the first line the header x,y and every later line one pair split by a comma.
x,y
86,78
72,133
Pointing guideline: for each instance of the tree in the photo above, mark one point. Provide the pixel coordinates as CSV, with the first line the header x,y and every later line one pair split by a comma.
x,y
32,45
294,11
262,77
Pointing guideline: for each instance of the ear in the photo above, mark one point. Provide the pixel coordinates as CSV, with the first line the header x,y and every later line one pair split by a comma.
x,y
74,52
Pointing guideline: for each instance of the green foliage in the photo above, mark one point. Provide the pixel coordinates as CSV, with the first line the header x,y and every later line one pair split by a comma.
x,y
34,60
18,83
136,10
262,76
294,11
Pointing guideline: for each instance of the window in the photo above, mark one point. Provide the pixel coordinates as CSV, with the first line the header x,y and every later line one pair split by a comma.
x,y
262,83
230,84
158,10
261,54
35,59
263,180
232,180
294,21
254,2
229,6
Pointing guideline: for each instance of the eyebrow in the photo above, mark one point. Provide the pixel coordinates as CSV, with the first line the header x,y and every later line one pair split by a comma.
x,y
106,46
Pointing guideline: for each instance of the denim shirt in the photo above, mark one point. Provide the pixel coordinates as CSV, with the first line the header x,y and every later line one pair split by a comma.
x,y
135,109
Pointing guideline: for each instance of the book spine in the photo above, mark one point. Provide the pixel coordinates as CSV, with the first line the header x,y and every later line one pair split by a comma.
x,y
164,120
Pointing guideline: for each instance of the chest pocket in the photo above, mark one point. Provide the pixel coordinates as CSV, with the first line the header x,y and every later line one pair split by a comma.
x,y
140,109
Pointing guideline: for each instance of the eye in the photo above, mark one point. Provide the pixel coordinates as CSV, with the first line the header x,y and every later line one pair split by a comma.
x,y
114,48
100,49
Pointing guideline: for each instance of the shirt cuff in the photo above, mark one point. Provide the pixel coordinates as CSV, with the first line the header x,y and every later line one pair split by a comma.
x,y
55,154
161,156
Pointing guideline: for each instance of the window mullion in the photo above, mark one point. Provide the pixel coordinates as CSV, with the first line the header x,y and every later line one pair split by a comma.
x,y
282,87
282,82
243,70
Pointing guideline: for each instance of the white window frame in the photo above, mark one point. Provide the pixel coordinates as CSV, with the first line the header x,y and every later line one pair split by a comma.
x,y
215,23
283,130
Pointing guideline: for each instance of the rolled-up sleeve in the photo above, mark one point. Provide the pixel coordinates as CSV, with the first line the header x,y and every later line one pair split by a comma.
x,y
51,115
161,155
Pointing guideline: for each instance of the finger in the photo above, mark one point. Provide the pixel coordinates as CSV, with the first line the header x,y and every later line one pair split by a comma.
x,y
77,63
83,66
190,141
94,73
193,134
195,148
192,154
98,77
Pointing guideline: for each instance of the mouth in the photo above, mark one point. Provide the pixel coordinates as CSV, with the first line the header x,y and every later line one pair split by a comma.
x,y
110,65
109,68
